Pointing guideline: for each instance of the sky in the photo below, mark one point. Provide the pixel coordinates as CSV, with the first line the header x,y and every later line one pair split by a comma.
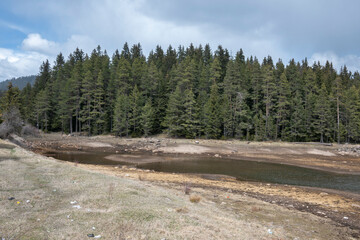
x,y
32,31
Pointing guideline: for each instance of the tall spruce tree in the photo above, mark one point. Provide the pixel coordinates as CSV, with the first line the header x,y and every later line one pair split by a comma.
x,y
213,114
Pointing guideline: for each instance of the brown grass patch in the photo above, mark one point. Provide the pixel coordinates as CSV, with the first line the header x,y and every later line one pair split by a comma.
x,y
195,198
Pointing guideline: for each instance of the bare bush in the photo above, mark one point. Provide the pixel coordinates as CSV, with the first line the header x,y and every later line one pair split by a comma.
x,y
5,130
29,130
195,198
12,122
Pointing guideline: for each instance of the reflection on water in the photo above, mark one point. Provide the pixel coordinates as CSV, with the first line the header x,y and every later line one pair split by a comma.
x,y
262,172
242,170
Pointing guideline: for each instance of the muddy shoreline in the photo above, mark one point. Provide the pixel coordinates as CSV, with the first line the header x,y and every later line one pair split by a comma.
x,y
341,207
313,156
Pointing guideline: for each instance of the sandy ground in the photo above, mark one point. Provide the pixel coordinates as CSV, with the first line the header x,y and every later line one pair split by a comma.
x,y
60,200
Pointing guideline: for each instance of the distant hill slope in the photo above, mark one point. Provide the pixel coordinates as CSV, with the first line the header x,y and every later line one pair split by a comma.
x,y
18,82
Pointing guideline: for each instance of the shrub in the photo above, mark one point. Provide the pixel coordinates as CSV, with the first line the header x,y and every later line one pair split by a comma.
x,y
195,199
12,122
29,130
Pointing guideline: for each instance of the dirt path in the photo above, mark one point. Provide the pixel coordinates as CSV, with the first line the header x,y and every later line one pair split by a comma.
x,y
59,200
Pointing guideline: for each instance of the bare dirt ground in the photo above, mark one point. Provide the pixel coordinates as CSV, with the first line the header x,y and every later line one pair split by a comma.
x,y
228,208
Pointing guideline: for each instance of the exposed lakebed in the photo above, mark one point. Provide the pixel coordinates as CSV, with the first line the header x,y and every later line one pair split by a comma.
x,y
241,169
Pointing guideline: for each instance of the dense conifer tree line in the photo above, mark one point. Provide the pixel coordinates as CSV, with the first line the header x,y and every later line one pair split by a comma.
x,y
194,93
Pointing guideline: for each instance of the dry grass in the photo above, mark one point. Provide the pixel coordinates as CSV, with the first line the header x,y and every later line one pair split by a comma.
x,y
141,177
194,198
182,210
111,191
123,208
255,209
187,188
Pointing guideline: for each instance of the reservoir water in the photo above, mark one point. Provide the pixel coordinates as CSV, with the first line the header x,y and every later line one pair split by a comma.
x,y
241,169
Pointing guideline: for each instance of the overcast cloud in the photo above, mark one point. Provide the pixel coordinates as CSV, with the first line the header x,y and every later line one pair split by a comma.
x,y
32,31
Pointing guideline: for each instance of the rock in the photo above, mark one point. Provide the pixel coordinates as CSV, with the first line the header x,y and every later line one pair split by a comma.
x,y
346,218
323,194
97,236
77,206
355,205
196,142
11,198
91,235
216,155
73,202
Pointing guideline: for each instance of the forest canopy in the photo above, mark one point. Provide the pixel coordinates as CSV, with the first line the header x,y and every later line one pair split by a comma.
x,y
192,92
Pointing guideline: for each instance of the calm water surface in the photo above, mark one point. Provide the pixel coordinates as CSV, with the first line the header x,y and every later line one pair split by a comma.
x,y
241,169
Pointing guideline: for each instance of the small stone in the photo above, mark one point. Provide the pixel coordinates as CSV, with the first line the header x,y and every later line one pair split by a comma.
x,y
346,218
11,198
91,235
323,194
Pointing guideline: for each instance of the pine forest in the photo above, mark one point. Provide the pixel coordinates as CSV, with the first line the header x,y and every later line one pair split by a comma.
x,y
191,92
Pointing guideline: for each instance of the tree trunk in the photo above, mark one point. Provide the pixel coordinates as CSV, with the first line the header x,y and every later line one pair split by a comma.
x,y
338,120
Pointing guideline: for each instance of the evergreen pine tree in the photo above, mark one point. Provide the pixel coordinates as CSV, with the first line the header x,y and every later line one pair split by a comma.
x,y
147,118
322,114
121,115
213,114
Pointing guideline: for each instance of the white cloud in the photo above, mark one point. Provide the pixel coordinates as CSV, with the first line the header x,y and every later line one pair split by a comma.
x,y
36,50
35,43
12,26
16,64
352,62
110,23
117,22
